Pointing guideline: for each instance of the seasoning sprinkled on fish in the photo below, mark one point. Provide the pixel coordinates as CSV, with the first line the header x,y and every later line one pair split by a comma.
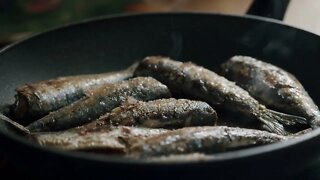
x,y
202,140
163,113
39,99
273,87
196,81
107,139
99,102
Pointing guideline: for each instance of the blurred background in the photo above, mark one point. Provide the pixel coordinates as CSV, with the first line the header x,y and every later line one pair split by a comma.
x,y
20,18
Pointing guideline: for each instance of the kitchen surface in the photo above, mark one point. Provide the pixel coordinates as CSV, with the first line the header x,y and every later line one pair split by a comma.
x,y
21,19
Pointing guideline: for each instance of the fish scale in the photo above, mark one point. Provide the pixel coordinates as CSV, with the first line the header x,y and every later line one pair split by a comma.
x,y
217,91
206,139
272,86
39,99
162,113
91,108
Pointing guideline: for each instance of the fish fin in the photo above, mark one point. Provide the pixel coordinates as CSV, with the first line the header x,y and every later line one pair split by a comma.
x,y
15,125
286,119
273,126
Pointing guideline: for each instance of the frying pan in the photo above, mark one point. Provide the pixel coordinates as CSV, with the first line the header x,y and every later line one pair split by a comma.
x,y
112,43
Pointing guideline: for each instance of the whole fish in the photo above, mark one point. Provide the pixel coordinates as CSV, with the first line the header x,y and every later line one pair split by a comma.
x,y
36,100
190,79
99,102
206,139
107,139
272,86
163,113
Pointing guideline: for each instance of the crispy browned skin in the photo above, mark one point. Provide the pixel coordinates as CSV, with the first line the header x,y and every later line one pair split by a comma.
x,y
272,86
38,99
163,113
204,139
108,139
196,81
99,102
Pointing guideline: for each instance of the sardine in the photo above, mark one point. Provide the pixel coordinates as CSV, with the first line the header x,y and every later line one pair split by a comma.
x,y
206,139
190,79
163,113
107,139
273,87
36,100
99,102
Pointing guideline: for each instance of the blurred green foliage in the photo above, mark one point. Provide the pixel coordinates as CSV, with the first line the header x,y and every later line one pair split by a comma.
x,y
18,16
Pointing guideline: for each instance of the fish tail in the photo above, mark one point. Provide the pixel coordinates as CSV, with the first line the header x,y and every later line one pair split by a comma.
x,y
15,125
286,119
273,125
274,121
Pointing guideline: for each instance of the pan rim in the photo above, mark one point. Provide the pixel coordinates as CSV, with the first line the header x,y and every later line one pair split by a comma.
x,y
216,158
134,15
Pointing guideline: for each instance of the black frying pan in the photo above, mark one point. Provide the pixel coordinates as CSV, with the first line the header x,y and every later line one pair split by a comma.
x,y
112,43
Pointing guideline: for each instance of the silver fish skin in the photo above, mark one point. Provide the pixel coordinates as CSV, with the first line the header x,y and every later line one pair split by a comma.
x,y
107,139
273,87
39,99
163,113
207,140
99,102
196,81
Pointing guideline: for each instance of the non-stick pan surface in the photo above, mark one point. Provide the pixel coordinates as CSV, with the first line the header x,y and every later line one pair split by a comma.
x,y
112,43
